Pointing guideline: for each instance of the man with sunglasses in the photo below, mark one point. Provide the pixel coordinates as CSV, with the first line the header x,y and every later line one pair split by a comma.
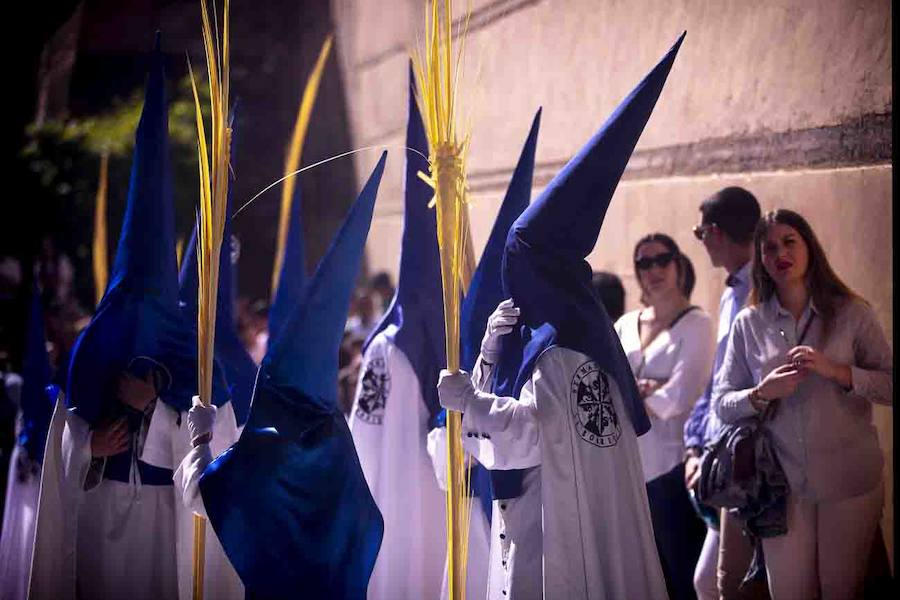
x,y
728,220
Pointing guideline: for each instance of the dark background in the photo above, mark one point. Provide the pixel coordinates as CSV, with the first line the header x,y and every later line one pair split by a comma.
x,y
70,59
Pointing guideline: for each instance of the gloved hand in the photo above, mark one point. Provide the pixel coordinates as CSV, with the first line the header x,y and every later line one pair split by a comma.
x,y
499,323
455,390
201,420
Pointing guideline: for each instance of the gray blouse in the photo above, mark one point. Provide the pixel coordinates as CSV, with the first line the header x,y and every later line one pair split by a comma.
x,y
822,433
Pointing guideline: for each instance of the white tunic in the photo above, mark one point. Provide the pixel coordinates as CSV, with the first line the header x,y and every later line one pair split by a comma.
x,y
389,424
682,358
19,515
168,442
478,555
582,522
115,540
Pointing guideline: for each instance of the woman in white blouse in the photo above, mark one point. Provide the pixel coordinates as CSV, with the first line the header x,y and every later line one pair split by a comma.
x,y
670,347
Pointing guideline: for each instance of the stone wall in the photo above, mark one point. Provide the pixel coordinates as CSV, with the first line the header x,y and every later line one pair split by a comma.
x,y
790,99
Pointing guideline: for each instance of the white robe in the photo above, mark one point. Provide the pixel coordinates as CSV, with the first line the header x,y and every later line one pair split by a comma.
x,y
168,443
17,535
125,532
479,528
115,540
19,514
583,520
389,424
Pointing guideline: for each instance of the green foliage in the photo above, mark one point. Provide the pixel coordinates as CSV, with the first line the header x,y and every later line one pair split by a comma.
x,y
63,157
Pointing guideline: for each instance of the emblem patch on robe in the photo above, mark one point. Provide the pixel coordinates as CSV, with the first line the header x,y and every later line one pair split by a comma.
x,y
376,384
595,416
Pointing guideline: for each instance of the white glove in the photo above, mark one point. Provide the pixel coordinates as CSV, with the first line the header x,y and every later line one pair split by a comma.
x,y
499,323
201,420
455,390
436,444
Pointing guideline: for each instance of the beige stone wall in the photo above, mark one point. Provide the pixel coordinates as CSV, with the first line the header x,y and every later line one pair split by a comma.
x,y
776,96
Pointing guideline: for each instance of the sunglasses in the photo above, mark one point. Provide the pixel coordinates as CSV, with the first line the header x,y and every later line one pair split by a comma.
x,y
700,230
661,260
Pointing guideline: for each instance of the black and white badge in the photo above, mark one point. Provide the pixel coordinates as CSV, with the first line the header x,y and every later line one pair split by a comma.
x,y
376,384
595,416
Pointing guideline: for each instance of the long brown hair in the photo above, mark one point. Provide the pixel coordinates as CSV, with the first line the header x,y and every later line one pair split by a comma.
x,y
826,289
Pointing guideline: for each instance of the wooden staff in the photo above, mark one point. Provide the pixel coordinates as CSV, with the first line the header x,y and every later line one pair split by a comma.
x,y
292,159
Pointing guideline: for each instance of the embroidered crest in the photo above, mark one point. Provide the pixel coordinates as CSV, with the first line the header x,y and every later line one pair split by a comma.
x,y
595,416
376,384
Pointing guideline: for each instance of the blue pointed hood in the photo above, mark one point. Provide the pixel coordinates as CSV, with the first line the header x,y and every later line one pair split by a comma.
x,y
544,267
417,309
36,400
235,361
485,290
137,325
292,280
289,501
145,263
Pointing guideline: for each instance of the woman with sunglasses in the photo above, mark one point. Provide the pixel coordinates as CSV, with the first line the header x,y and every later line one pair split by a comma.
x,y
669,345
809,344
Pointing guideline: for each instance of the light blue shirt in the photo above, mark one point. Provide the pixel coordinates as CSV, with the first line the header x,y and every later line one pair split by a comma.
x,y
822,433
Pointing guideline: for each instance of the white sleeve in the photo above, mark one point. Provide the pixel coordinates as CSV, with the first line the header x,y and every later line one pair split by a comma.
x,y
187,473
187,477
481,375
689,375
502,432
436,444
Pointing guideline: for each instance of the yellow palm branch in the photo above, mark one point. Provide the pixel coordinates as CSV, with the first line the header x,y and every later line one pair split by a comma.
x,y
214,161
292,158
99,250
437,72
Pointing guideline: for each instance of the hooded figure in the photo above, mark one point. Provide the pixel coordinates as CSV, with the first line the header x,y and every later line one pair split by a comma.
x,y
168,437
396,401
484,293
289,501
106,523
564,414
23,484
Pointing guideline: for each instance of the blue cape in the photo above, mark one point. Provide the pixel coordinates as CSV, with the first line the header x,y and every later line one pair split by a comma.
x,y
417,309
289,501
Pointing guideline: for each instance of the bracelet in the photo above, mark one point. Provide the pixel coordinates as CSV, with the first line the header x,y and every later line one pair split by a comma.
x,y
203,438
757,400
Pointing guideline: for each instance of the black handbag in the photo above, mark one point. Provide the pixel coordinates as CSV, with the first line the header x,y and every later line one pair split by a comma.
x,y
728,465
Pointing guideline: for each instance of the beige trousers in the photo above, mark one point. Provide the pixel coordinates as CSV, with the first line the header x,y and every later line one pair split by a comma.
x,y
825,551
